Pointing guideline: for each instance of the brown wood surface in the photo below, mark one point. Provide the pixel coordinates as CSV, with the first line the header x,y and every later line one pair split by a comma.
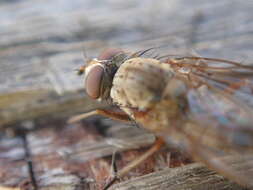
x,y
41,44
191,176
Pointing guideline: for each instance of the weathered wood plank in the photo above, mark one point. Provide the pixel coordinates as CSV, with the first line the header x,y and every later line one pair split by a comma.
x,y
42,43
42,54
192,176
65,157
13,170
71,158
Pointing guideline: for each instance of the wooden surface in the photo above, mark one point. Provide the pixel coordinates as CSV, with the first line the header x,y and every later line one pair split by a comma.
x,y
79,156
191,176
41,44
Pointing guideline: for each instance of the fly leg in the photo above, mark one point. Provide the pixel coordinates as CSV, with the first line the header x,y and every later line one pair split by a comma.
x,y
156,146
120,116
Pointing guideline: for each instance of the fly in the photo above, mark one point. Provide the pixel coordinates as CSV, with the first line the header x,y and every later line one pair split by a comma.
x,y
203,105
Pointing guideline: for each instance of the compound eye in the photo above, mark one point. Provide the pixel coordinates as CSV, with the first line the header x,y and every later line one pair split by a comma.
x,y
93,81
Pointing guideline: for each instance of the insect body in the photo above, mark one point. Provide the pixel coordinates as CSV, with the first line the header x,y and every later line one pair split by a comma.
x,y
204,105
141,88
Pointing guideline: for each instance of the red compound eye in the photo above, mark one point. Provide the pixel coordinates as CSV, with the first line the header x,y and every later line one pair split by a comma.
x,y
109,53
93,81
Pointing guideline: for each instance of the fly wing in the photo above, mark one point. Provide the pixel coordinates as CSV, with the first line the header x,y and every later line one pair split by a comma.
x,y
222,99
236,165
220,110
229,117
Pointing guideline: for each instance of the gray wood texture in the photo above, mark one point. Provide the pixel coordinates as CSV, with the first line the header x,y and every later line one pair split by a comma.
x,y
41,44
191,176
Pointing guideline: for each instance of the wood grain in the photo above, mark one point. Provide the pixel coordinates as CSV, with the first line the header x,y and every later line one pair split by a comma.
x,y
41,45
192,176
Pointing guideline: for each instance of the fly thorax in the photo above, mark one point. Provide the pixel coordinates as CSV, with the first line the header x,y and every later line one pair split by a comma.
x,y
140,82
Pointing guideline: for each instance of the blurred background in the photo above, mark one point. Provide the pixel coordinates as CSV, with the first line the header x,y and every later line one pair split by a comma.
x,y
42,43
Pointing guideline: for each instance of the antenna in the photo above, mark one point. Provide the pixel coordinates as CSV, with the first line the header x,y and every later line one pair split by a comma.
x,y
81,69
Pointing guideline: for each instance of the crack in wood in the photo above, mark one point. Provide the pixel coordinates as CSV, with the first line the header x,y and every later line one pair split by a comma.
x,y
28,159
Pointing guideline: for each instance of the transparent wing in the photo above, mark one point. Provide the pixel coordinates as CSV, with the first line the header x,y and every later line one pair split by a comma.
x,y
229,116
220,110
222,97
219,90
